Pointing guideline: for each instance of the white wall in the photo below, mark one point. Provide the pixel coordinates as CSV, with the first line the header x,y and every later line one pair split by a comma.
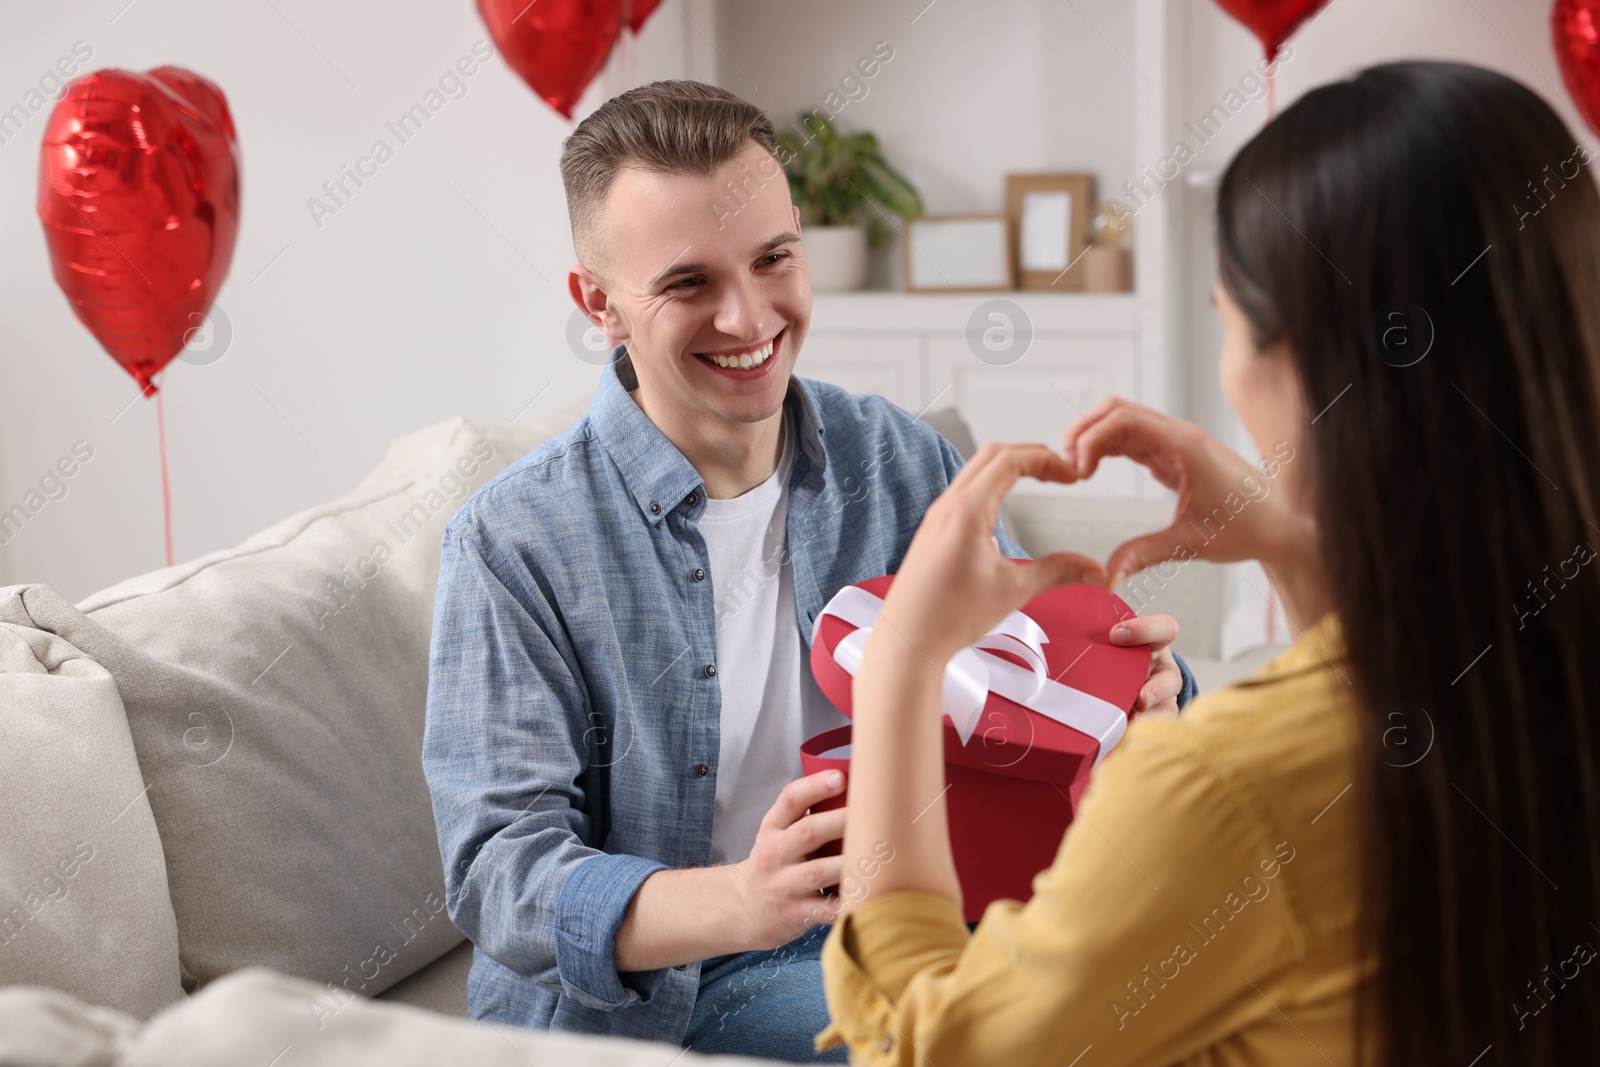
x,y
404,308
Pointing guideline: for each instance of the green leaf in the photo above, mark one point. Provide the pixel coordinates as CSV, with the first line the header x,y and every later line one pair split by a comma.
x,y
863,146
833,176
843,203
889,189
815,172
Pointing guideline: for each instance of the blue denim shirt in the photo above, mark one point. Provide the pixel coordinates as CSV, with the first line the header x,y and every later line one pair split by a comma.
x,y
573,717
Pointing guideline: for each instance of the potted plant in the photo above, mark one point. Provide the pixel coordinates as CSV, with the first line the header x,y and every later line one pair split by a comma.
x,y
843,187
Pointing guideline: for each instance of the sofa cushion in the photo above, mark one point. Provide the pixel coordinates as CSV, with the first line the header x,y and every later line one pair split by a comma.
x,y
41,1027
440,986
275,694
256,1018
83,885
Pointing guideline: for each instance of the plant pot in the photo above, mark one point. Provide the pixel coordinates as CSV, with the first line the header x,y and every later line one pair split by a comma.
x,y
837,256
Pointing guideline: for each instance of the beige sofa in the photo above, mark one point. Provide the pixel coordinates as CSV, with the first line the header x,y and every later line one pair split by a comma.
x,y
219,841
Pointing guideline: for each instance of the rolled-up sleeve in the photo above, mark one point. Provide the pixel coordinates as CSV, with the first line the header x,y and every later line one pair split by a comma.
x,y
899,935
503,752
594,897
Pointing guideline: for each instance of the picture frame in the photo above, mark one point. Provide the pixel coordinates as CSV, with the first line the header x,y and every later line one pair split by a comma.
x,y
958,254
1049,216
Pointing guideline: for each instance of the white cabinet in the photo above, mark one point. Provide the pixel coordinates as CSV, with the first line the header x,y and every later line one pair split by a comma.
x,y
1039,396
889,366
1019,366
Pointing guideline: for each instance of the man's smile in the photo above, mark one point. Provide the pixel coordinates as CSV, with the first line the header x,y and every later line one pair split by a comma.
x,y
750,357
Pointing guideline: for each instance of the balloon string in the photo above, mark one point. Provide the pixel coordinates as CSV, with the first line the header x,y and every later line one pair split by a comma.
x,y
166,487
1272,91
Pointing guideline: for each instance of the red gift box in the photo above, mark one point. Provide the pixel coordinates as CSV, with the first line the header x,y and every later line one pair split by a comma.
x,y
1029,710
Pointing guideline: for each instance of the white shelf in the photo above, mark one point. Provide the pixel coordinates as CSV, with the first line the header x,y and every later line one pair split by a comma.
x,y
870,312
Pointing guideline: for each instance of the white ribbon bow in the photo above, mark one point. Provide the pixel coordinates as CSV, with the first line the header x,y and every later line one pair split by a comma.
x,y
975,672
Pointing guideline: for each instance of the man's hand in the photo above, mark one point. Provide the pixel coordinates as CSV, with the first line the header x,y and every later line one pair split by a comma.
x,y
781,889
765,900
1159,695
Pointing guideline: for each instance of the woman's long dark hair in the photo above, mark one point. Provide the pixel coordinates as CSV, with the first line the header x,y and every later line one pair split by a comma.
x,y
1426,239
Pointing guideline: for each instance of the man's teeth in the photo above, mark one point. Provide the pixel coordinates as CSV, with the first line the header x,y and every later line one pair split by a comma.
x,y
749,359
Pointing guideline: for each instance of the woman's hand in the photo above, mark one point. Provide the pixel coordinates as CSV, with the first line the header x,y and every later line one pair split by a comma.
x,y
1228,510
954,586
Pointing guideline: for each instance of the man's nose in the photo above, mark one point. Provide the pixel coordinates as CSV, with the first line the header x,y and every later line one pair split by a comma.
x,y
742,312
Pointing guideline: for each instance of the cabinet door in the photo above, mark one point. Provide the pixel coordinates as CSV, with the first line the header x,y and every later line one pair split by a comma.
x,y
890,366
1039,396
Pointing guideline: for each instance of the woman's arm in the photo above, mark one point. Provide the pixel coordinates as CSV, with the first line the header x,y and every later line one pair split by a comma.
x,y
897,800
952,587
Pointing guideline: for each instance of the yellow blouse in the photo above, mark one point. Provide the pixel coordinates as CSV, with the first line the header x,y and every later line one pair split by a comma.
x,y
1201,909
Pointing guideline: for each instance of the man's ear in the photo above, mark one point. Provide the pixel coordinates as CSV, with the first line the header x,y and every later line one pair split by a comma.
x,y
589,293
796,209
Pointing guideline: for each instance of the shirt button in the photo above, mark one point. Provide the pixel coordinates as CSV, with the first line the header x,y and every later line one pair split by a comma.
x,y
655,508
701,770
711,670
694,498
885,1043
699,574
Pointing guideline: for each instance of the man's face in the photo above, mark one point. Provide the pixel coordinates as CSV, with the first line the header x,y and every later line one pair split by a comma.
x,y
698,267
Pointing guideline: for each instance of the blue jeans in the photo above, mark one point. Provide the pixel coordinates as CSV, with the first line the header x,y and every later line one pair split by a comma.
x,y
767,1004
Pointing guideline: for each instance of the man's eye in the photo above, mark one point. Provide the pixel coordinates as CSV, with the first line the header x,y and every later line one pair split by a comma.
x,y
688,283
773,258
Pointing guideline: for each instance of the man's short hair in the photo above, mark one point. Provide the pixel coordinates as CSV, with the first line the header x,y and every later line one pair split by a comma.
x,y
675,127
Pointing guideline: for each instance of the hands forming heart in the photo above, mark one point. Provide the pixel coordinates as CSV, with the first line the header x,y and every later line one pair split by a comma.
x,y
954,584
1227,508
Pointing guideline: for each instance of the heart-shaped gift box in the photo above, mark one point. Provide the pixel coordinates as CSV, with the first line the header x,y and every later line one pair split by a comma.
x,y
1040,700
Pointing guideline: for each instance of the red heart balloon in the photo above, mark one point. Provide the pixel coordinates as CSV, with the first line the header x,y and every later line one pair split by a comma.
x,y
1575,25
556,46
639,11
139,196
1272,21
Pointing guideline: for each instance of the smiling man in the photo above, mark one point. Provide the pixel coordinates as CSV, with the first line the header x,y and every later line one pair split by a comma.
x,y
618,685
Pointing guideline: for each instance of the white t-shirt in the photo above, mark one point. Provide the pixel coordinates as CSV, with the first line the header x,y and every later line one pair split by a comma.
x,y
770,702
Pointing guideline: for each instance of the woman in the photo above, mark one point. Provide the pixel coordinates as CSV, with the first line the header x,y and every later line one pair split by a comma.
x,y
1386,841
